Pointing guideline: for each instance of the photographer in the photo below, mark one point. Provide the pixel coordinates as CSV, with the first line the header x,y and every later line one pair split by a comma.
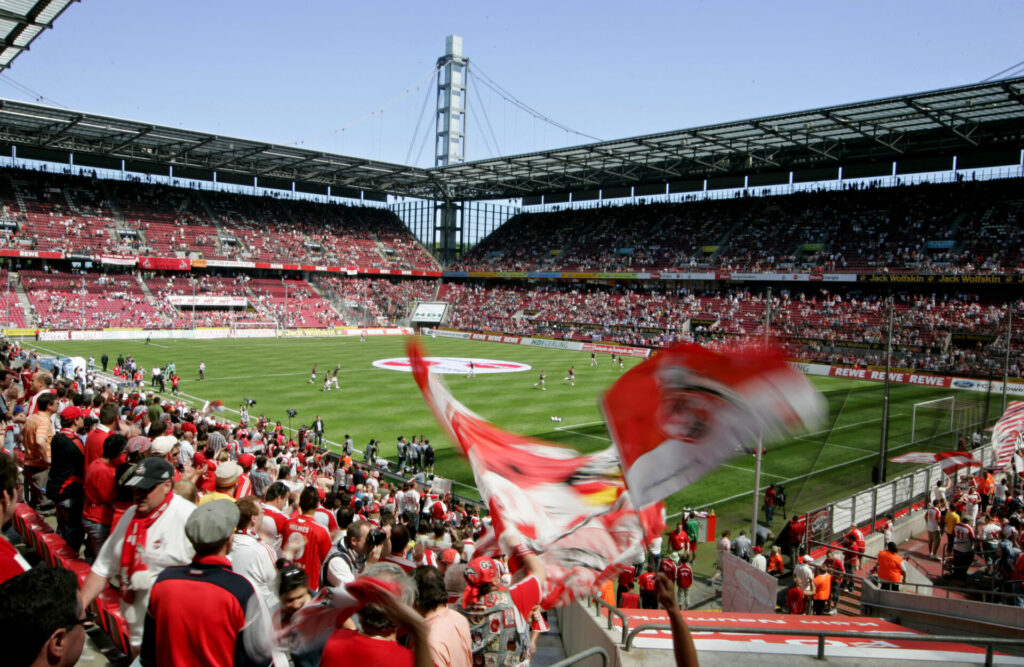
x,y
362,545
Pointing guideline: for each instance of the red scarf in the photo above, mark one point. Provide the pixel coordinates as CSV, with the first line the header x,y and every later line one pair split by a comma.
x,y
131,554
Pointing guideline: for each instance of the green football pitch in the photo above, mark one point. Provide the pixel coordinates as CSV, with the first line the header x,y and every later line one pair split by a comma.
x,y
816,467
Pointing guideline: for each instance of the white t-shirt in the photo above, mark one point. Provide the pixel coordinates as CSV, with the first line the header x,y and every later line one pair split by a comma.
x,y
254,560
410,502
166,546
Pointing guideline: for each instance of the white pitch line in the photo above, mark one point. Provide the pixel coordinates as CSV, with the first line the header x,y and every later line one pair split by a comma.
x,y
569,429
804,476
845,426
766,474
251,377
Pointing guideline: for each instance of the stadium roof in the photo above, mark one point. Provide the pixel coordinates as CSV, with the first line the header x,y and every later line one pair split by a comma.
x,y
21,21
929,128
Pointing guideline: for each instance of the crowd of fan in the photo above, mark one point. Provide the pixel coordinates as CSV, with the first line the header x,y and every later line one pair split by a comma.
x,y
304,555
99,216
964,227
820,325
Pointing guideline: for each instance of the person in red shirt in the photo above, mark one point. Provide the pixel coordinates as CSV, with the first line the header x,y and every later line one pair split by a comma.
x,y
99,433
796,601
679,541
315,538
769,503
244,486
626,578
379,621
100,494
854,545
648,598
11,562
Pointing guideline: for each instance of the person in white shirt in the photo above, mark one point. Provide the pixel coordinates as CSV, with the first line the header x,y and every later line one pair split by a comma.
x,y
759,561
149,538
250,556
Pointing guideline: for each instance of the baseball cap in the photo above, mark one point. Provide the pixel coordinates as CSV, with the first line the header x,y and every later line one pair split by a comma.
x,y
212,523
227,473
450,556
188,426
199,459
163,444
757,550
481,570
149,473
246,460
808,559
72,412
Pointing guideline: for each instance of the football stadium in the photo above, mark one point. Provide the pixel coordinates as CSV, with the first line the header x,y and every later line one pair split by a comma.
x,y
269,403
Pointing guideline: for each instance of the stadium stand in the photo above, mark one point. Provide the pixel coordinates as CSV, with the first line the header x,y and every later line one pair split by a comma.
x,y
942,228
81,214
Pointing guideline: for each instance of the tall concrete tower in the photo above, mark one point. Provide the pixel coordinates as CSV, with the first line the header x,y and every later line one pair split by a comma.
x,y
450,136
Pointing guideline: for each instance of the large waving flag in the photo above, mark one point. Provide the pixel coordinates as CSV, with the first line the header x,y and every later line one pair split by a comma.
x,y
571,509
1008,435
950,462
683,412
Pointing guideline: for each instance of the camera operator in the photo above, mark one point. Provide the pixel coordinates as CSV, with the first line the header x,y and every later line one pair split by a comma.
x,y
362,544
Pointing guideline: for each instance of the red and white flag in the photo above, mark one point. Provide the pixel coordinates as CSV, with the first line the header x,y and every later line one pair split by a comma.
x,y
950,462
572,510
1008,435
682,413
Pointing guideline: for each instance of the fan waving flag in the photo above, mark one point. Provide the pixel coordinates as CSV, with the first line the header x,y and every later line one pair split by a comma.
x,y
683,412
950,462
571,509
1008,435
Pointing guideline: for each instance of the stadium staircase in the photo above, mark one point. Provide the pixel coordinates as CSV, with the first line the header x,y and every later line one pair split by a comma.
x,y
330,302
26,306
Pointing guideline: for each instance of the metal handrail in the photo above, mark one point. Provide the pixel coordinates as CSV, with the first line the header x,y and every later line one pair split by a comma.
x,y
612,610
838,548
988,642
576,657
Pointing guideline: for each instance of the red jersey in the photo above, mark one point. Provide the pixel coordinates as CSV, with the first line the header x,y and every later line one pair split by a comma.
x,y
679,540
94,445
684,575
11,562
796,601
647,580
316,544
348,647
627,577
100,492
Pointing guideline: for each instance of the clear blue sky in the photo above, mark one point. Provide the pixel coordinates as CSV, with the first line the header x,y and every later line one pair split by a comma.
x,y
290,72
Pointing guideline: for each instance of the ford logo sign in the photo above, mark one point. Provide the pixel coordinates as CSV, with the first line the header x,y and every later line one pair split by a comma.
x,y
963,384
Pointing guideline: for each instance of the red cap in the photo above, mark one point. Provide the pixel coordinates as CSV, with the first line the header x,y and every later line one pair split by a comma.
x,y
72,412
246,460
199,459
374,508
188,426
757,550
450,556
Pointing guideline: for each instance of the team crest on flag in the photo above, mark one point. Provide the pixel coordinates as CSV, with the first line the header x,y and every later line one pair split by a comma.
x,y
683,412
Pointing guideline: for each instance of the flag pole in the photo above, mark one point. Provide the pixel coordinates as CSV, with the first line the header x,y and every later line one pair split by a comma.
x,y
1006,359
760,438
883,450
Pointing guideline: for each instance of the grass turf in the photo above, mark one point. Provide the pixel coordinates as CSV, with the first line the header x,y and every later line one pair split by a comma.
x,y
383,404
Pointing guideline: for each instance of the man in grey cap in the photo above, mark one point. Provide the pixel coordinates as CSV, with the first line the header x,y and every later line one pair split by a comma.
x,y
204,613
148,538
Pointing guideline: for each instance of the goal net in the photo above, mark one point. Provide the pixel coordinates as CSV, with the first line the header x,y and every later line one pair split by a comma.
x,y
943,421
255,329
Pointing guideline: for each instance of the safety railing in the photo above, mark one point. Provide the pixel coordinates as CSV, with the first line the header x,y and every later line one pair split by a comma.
x,y
988,642
612,611
826,523
981,592
583,655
